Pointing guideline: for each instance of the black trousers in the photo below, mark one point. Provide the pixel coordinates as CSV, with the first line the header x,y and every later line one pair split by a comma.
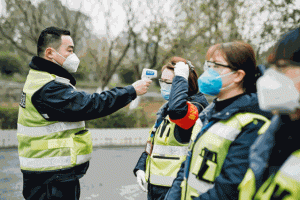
x,y
156,192
35,188
54,185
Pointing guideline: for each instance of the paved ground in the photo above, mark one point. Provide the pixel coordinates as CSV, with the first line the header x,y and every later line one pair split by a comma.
x,y
109,176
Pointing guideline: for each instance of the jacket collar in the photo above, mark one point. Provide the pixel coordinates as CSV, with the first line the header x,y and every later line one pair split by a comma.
x,y
41,64
245,103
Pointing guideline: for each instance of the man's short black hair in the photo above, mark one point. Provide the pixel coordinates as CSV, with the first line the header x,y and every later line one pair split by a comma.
x,y
50,36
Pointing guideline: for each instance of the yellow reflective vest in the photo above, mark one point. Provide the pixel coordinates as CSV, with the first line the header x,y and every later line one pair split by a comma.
x,y
284,185
166,157
209,152
48,145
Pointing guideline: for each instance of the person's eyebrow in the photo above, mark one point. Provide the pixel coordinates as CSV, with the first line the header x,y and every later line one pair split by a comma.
x,y
70,46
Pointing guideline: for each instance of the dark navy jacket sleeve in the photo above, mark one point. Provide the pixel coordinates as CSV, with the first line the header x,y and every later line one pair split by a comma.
x,y
62,102
234,167
179,96
175,191
261,150
141,164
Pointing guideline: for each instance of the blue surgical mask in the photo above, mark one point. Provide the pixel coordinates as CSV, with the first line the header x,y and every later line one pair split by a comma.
x,y
166,90
210,82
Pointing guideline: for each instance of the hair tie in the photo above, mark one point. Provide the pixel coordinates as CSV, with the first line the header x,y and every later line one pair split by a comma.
x,y
190,65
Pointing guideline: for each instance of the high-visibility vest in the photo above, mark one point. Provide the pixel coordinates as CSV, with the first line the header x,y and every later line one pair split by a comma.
x,y
207,154
48,145
166,157
285,184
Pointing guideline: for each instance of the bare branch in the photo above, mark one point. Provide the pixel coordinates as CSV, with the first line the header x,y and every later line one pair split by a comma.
x,y
15,43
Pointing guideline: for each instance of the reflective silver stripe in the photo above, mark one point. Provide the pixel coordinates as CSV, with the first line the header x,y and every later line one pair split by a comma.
x,y
224,131
52,128
45,116
199,122
52,161
62,80
291,168
161,180
170,150
199,185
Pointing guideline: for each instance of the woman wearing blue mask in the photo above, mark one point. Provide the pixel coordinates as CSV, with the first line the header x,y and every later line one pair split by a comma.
x,y
167,144
274,171
218,153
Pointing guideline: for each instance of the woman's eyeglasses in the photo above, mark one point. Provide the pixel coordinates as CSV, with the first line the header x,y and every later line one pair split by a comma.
x,y
164,82
211,64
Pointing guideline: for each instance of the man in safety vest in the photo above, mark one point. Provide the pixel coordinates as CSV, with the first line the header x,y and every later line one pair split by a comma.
x,y
54,146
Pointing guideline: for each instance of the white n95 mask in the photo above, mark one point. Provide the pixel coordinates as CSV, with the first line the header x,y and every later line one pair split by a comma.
x,y
71,63
276,91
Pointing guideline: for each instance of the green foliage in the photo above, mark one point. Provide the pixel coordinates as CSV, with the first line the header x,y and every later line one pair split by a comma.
x,y
141,117
127,75
10,64
8,118
119,119
79,75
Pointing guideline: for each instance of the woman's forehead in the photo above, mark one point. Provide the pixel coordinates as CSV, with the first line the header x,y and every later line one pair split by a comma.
x,y
218,56
167,74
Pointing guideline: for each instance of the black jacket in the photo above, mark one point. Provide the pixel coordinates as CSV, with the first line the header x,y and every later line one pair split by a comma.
x,y
271,149
62,102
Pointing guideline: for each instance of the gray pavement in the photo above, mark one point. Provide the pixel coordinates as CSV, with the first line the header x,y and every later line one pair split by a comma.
x,y
110,175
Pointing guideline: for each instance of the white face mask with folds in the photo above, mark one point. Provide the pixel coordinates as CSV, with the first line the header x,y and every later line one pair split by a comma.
x,y
276,91
71,62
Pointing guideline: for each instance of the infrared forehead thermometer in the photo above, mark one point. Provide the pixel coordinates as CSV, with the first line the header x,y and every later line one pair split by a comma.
x,y
149,73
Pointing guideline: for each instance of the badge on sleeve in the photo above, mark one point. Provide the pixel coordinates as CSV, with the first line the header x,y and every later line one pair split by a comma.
x,y
23,100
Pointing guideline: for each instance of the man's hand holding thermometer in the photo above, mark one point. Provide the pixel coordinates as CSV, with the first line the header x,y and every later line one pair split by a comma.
x,y
142,86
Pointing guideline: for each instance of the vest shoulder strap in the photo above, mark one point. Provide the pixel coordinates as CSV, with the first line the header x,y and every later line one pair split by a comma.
x,y
246,118
247,186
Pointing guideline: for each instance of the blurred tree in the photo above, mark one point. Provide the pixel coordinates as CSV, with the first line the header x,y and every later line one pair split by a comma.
x,y
262,23
24,21
212,21
154,31
10,64
104,55
127,75
160,39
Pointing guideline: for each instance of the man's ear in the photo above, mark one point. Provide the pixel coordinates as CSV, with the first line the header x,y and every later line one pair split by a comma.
x,y
240,76
49,53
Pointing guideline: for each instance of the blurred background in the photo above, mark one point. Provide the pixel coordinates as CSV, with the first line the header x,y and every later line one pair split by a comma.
x,y
115,40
